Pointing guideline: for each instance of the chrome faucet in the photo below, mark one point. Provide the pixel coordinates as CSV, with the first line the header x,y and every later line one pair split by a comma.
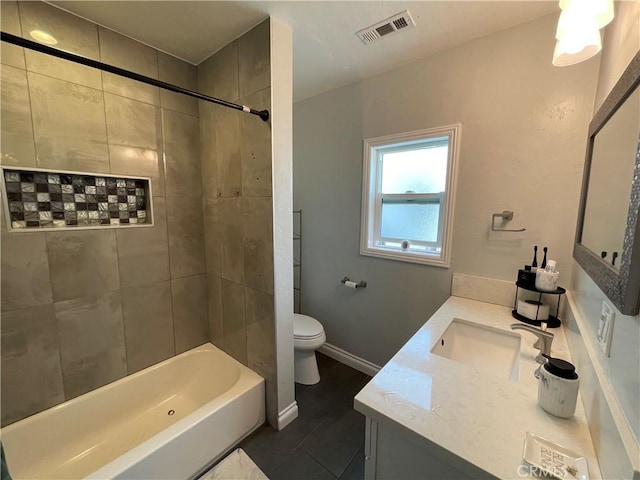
x,y
544,340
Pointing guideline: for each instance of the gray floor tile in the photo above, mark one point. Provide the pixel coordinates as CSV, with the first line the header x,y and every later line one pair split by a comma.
x,y
355,470
335,444
299,466
269,448
326,439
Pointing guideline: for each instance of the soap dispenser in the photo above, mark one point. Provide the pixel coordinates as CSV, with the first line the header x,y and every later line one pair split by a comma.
x,y
558,387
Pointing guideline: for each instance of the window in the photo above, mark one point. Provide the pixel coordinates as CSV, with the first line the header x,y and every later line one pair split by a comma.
x,y
408,192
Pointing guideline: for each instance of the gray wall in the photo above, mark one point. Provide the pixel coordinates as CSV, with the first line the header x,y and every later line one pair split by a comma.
x,y
327,153
83,308
237,184
524,126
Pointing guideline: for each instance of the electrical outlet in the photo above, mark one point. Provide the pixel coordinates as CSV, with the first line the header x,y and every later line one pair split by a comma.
x,y
605,328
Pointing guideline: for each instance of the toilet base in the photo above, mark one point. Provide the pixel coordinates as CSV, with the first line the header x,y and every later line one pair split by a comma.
x,y
306,367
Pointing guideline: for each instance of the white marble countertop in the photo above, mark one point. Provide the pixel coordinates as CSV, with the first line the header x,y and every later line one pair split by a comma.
x,y
478,417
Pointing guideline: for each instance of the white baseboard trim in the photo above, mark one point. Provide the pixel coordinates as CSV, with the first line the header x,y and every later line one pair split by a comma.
x,y
288,415
349,359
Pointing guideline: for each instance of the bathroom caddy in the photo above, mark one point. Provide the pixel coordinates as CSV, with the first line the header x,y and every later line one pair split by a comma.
x,y
553,321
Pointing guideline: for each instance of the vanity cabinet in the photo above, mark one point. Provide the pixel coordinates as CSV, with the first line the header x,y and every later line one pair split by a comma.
x,y
431,417
391,453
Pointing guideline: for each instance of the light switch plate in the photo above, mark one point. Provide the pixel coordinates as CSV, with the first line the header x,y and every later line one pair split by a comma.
x,y
605,328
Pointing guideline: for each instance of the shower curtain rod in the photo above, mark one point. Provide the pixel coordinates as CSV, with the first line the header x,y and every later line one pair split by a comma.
x,y
23,42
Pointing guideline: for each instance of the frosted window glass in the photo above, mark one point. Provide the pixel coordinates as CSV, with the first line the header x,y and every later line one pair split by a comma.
x,y
419,171
410,221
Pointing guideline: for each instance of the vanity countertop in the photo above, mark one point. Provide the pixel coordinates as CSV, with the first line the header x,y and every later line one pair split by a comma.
x,y
480,418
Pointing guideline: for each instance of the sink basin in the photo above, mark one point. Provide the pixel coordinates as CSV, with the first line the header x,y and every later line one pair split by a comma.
x,y
487,349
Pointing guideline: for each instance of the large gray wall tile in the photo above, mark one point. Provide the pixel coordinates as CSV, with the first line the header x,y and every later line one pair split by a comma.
x,y
186,236
231,239
148,325
258,243
73,34
131,123
254,59
69,125
212,235
226,126
31,373
25,271
216,330
82,263
208,151
255,147
134,131
271,394
190,311
182,74
10,23
17,146
143,253
233,320
261,339
91,339
218,75
182,154
123,52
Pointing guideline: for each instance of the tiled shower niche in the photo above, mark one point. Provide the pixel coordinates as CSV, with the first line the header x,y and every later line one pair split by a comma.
x,y
38,199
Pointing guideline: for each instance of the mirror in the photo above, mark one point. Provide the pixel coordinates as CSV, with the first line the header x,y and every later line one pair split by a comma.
x,y
608,231
607,204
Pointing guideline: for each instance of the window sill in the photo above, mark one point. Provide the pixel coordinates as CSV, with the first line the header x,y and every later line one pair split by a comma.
x,y
410,257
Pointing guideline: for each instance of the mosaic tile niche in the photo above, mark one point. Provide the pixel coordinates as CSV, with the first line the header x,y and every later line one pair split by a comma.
x,y
54,199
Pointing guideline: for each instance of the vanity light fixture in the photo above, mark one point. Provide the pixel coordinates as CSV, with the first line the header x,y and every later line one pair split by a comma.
x,y
43,37
600,10
578,32
578,38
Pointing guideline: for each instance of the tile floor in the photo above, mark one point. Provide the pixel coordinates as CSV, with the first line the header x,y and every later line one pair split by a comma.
x,y
326,441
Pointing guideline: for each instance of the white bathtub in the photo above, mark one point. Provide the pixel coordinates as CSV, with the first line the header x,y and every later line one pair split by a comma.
x,y
169,421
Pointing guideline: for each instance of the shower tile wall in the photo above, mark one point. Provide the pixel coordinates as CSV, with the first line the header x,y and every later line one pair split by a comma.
x,y
81,309
236,173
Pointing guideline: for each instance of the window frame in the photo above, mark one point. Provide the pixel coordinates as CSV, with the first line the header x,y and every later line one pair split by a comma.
x,y
372,199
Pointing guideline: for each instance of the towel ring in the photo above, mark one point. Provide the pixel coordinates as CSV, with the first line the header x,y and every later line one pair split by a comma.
x,y
506,216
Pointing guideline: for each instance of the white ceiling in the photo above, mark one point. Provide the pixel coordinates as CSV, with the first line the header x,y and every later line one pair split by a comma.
x,y
326,51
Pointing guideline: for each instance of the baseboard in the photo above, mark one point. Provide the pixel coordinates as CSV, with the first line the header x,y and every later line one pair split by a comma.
x,y
349,359
288,415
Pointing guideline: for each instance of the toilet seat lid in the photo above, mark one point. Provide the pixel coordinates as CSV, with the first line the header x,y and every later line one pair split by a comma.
x,y
306,326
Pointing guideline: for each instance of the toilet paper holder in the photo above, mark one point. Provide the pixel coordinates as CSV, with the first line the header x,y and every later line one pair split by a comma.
x,y
350,284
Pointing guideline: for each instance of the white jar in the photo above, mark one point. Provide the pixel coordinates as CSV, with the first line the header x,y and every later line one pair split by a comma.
x,y
558,388
546,281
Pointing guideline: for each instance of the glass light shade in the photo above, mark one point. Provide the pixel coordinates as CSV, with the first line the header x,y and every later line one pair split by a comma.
x,y
572,49
601,11
575,22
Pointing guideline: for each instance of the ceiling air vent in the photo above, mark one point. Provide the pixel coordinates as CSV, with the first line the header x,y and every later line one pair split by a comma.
x,y
391,25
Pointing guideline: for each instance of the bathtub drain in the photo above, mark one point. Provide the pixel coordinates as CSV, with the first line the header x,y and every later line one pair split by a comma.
x,y
171,412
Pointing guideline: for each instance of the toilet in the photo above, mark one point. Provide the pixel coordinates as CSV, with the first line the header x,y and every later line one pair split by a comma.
x,y
308,335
